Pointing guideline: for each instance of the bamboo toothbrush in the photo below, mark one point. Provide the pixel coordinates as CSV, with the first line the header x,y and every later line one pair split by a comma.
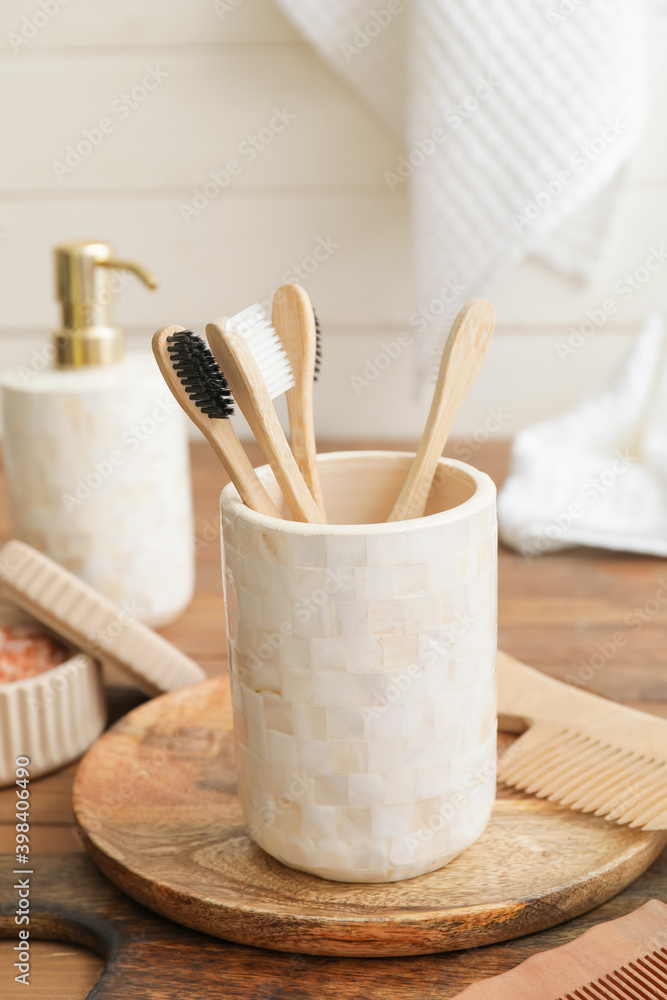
x,y
257,370
462,359
197,384
296,324
582,751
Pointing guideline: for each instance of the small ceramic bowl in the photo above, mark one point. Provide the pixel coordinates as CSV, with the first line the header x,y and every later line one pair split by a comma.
x,y
53,717
363,670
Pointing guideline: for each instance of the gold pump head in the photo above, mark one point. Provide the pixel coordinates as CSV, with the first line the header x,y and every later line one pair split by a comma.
x,y
86,287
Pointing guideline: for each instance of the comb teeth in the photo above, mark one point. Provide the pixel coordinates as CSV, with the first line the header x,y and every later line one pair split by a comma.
x,y
254,325
588,775
643,979
318,347
200,376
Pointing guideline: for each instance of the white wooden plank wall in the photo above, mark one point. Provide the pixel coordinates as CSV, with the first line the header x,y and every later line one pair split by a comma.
x,y
217,78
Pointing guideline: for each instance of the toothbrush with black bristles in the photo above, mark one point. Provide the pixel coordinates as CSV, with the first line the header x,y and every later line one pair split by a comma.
x,y
199,387
257,370
296,324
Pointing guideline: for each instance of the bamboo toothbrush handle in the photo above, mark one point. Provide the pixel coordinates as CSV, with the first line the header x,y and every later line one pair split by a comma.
x,y
294,321
219,433
462,359
250,393
230,451
304,448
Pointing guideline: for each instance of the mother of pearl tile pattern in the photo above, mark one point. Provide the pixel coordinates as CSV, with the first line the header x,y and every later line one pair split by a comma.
x,y
362,660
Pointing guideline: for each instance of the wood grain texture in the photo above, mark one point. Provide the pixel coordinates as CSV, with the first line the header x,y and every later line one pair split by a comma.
x,y
554,612
218,432
626,955
154,959
58,971
156,800
582,751
294,322
249,390
92,622
462,358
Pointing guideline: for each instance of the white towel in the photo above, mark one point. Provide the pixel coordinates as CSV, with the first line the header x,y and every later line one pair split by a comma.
x,y
597,475
517,118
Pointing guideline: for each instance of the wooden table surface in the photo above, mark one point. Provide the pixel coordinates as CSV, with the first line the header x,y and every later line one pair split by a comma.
x,y
561,613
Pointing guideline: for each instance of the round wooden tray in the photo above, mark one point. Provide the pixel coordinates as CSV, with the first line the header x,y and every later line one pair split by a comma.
x,y
156,800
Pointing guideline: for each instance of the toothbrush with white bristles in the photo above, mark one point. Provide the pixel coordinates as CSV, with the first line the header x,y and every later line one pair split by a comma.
x,y
257,370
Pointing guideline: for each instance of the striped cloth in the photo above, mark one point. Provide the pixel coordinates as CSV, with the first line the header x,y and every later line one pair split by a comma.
x,y
517,118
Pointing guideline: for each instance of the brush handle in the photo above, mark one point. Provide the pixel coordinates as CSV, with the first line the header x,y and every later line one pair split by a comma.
x,y
294,321
218,432
224,441
249,390
462,359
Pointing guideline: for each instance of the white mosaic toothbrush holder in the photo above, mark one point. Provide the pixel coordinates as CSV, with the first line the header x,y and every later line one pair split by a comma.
x,y
362,659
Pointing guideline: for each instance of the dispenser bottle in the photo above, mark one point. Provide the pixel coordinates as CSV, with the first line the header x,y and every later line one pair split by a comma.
x,y
96,450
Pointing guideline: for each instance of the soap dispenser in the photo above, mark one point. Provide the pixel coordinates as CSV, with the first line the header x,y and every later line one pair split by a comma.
x,y
96,449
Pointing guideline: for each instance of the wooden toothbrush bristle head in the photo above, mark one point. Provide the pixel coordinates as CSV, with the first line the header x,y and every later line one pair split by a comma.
x,y
318,348
257,330
192,363
294,319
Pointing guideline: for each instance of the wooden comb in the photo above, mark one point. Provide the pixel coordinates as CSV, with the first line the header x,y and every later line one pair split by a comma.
x,y
580,750
624,959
